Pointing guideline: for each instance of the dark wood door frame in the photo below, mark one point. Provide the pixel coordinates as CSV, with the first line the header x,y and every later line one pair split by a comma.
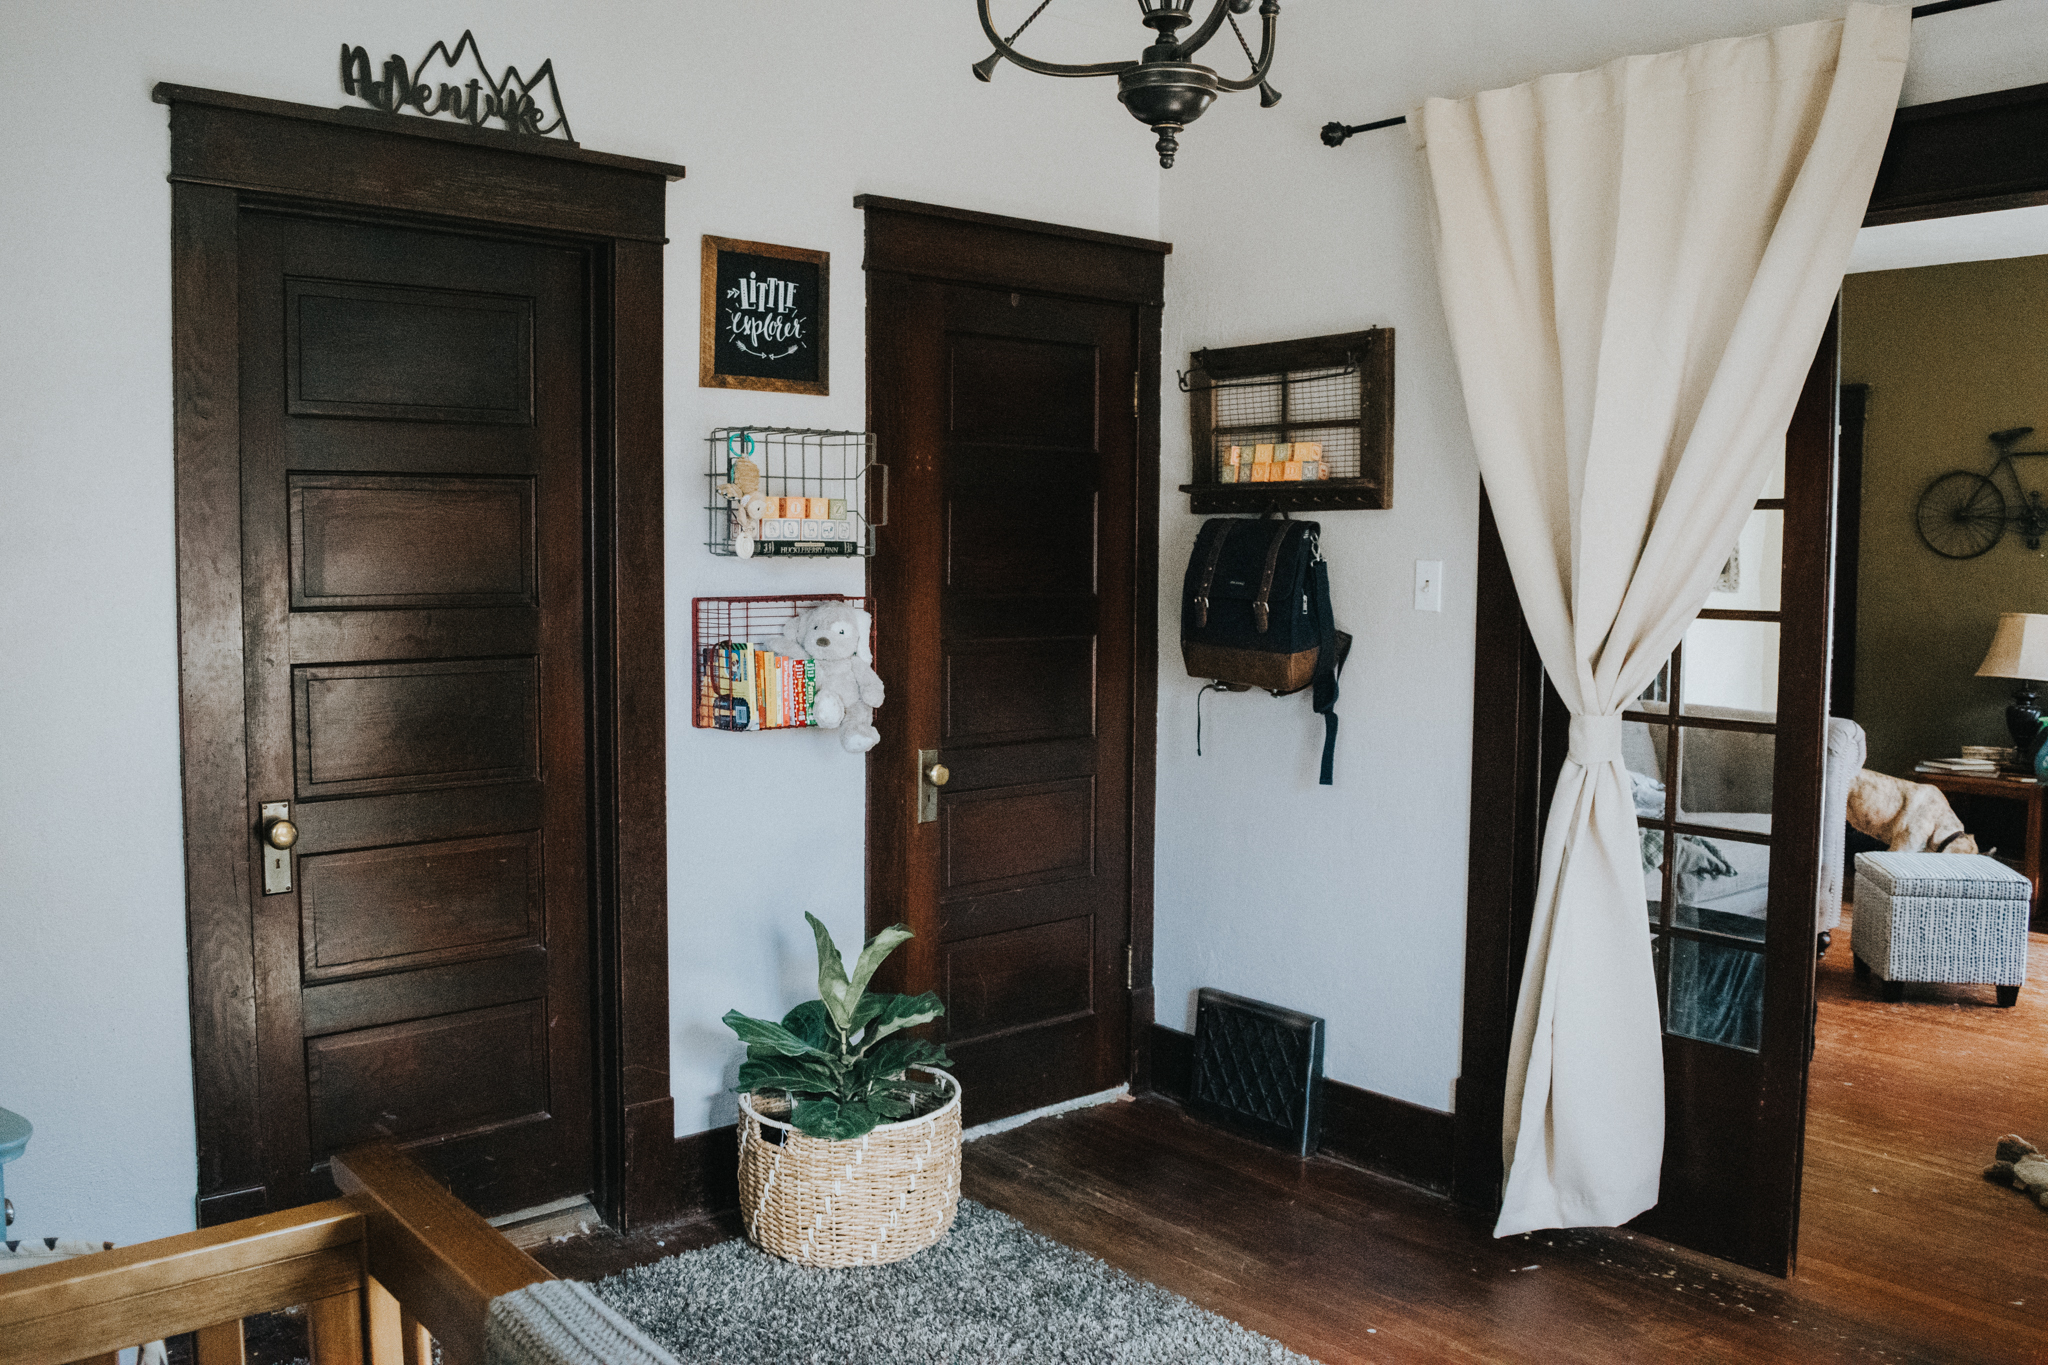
x,y
1967,155
229,152
959,246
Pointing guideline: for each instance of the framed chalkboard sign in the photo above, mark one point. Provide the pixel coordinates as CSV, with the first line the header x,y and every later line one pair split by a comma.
x,y
765,315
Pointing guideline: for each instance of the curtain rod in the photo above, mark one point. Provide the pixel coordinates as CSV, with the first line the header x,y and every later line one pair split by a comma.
x,y
1335,133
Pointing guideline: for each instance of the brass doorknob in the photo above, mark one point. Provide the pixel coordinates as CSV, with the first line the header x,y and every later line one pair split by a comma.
x,y
280,834
938,775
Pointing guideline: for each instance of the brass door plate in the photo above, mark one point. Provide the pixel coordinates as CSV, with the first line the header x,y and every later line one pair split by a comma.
x,y
277,862
927,794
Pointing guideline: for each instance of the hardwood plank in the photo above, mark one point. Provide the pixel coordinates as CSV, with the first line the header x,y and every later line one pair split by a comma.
x,y
1905,1103
1345,1265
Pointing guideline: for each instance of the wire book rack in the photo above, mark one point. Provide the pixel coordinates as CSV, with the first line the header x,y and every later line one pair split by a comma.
x,y
717,621
826,492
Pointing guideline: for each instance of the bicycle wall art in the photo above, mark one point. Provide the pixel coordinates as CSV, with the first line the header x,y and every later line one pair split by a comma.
x,y
1963,514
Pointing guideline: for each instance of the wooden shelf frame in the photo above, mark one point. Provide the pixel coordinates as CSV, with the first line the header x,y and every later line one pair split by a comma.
x,y
1370,352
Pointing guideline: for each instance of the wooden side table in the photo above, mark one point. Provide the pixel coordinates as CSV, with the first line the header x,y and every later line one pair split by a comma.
x,y
2003,789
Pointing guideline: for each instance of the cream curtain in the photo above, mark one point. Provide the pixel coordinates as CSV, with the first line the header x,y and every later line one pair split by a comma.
x,y
1637,264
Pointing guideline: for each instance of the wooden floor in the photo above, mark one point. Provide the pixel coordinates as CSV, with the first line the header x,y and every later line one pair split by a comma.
x,y
1904,1103
1907,1254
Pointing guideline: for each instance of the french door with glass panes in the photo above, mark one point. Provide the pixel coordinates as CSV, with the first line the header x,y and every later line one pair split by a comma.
x,y
1725,750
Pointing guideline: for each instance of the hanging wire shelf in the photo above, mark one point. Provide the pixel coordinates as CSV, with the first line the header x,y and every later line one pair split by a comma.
x,y
780,492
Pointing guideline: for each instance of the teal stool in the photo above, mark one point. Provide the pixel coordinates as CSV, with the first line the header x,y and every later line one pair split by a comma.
x,y
14,1135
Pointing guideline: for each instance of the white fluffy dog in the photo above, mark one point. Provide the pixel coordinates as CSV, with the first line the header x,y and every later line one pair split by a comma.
x,y
1910,817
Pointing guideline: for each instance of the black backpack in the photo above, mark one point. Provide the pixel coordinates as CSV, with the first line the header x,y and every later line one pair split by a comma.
x,y
1255,612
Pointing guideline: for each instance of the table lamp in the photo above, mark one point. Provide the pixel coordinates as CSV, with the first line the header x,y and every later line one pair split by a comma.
x,y
2019,650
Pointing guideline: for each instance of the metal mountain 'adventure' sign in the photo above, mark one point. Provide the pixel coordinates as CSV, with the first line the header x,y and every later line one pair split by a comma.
x,y
764,324
508,100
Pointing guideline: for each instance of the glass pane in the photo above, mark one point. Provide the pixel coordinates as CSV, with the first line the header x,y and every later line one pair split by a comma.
x,y
1643,749
1654,697
1653,871
1715,993
1774,486
1724,885
1749,579
1726,778
1730,669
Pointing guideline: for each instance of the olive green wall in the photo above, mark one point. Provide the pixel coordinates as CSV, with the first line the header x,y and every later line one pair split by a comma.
x,y
1950,353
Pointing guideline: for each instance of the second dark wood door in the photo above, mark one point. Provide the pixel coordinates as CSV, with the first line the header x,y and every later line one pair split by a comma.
x,y
414,426
1003,589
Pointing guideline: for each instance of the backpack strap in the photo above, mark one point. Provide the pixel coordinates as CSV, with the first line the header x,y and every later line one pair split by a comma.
x,y
1262,610
1222,525
1325,694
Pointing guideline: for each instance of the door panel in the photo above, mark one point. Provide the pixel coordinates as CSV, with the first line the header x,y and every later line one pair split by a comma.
x,y
395,542
415,433
1005,622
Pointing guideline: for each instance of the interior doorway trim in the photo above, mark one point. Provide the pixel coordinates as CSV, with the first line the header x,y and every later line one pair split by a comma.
x,y
231,151
1970,155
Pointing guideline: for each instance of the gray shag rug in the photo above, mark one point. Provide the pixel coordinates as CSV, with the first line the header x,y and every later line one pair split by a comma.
x,y
992,1290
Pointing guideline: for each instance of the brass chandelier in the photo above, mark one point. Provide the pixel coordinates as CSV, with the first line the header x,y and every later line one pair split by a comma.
x,y
1164,88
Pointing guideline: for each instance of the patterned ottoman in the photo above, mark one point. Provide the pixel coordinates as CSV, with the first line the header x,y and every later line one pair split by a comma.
x,y
1941,917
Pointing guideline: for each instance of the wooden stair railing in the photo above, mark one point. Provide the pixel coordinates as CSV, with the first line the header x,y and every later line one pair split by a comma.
x,y
394,1261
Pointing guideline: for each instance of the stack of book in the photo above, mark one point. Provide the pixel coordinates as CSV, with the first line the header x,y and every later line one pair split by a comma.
x,y
741,686
1977,761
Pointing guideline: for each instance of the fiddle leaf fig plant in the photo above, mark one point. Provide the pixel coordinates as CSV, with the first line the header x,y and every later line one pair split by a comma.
x,y
842,1058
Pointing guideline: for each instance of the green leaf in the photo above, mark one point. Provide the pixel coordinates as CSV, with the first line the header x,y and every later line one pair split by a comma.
x,y
899,1012
878,948
891,1056
809,1022
891,1105
828,1118
837,993
787,1073
761,1033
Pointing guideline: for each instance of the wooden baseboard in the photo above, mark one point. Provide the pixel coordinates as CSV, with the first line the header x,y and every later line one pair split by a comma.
x,y
707,1173
651,1165
1408,1141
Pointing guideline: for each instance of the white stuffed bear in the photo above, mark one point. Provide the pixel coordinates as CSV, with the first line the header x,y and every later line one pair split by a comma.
x,y
849,689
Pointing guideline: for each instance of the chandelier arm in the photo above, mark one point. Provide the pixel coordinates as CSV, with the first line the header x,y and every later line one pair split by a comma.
x,y
1194,41
1269,15
1046,68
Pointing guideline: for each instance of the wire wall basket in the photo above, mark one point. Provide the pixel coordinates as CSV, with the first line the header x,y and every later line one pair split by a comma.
x,y
794,492
1317,408
721,628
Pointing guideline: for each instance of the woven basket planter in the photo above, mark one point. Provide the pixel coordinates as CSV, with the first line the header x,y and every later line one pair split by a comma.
x,y
862,1201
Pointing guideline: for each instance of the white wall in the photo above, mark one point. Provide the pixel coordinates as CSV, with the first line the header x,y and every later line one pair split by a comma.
x,y
782,112
1351,903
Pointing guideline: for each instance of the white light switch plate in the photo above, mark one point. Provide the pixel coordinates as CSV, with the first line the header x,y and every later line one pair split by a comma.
x,y
1429,585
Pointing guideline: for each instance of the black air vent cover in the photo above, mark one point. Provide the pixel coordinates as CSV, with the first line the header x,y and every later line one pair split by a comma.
x,y
1258,1068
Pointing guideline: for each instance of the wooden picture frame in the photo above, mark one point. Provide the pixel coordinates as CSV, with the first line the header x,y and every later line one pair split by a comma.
x,y
776,335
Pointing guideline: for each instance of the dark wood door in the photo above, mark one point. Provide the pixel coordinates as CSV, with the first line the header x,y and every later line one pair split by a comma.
x,y
1004,593
414,429
1742,756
